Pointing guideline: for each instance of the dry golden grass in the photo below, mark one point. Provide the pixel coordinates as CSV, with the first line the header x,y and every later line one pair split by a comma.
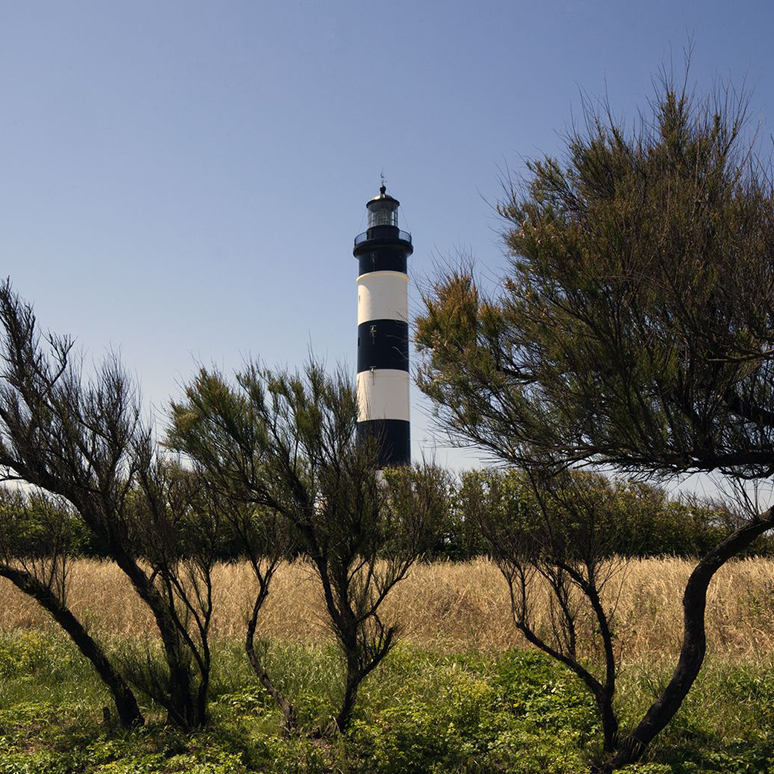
x,y
442,606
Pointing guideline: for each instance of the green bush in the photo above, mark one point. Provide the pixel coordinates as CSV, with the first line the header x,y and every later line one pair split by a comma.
x,y
522,714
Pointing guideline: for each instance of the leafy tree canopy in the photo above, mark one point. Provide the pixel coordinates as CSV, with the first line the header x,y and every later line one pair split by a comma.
x,y
635,325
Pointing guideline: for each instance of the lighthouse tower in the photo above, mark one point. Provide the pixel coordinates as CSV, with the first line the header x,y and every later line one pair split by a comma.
x,y
382,331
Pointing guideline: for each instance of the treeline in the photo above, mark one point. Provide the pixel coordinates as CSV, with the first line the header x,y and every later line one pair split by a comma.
x,y
644,522
266,467
641,520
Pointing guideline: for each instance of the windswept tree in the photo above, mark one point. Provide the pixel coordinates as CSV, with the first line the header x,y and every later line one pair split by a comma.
x,y
287,443
36,537
634,328
83,440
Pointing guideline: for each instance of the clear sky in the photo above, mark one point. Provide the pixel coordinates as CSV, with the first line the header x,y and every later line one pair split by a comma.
x,y
182,181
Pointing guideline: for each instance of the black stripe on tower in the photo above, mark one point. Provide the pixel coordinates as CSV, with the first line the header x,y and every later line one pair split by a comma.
x,y
383,259
394,437
383,344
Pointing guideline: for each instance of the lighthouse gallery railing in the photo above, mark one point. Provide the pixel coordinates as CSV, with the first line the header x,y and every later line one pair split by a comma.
x,y
374,233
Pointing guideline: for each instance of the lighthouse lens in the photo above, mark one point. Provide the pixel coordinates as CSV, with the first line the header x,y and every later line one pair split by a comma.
x,y
382,215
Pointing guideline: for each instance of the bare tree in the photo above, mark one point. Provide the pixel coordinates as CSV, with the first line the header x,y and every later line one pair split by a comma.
x,y
35,545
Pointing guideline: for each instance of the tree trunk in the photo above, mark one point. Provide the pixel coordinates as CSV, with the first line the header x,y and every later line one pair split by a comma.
x,y
344,716
609,722
289,718
183,708
694,643
126,704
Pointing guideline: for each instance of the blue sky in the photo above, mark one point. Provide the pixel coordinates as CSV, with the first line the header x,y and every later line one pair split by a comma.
x,y
182,181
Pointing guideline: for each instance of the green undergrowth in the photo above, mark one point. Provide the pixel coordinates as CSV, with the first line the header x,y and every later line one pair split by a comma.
x,y
419,713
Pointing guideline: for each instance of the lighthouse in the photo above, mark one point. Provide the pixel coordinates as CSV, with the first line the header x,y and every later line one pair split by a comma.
x,y
382,252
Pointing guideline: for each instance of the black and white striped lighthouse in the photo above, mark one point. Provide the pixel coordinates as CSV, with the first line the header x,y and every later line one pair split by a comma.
x,y
382,331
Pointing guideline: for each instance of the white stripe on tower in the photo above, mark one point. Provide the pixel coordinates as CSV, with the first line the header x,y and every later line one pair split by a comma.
x,y
383,394
382,295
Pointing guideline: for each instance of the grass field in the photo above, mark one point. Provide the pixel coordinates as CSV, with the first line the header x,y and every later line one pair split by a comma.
x,y
443,607
460,694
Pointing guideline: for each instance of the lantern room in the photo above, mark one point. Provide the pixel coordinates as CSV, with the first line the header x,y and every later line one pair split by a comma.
x,y
383,210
